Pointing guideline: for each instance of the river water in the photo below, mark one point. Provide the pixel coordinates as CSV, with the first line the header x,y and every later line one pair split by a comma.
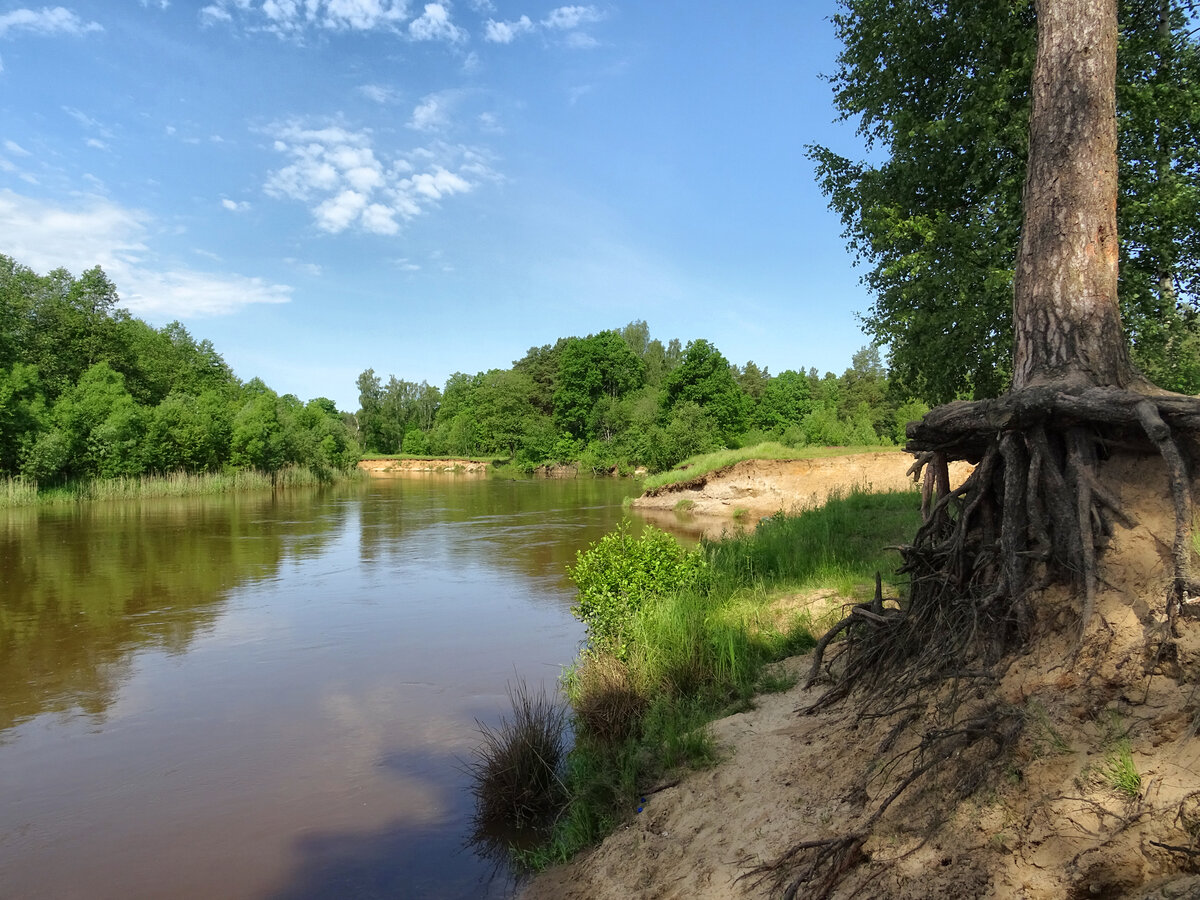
x,y
272,696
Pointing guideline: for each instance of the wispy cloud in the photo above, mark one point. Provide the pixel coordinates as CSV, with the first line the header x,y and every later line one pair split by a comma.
x,y
234,205
337,172
45,21
294,19
563,19
378,93
15,149
433,112
566,18
95,231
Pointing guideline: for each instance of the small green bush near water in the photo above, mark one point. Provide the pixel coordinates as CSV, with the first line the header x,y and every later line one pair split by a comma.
x,y
620,574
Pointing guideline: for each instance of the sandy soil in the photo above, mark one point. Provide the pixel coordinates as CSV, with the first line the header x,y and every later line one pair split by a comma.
x,y
1047,821
755,488
386,466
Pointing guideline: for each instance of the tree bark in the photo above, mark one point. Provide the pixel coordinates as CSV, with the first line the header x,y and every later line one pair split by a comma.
x,y
1066,321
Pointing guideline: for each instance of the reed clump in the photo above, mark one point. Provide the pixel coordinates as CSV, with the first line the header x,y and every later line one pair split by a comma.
x,y
16,492
517,770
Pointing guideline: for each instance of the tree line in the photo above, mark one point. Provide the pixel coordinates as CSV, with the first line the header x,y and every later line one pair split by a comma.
x,y
621,398
89,391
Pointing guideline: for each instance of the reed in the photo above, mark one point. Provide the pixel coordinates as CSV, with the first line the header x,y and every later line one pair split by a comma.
x,y
16,492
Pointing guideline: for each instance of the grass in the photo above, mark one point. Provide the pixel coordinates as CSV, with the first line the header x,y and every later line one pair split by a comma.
x,y
700,653
1119,769
517,770
709,462
18,492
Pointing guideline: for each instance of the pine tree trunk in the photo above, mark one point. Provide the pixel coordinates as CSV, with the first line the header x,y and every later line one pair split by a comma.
x,y
1066,321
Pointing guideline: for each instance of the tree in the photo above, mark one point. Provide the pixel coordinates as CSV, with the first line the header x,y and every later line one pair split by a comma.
x,y
703,377
944,90
594,372
1035,509
1038,508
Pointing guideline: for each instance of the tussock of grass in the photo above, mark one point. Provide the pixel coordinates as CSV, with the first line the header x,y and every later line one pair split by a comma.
x,y
17,492
517,770
695,466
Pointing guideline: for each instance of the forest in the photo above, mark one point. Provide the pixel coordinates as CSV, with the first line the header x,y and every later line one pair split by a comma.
x,y
88,391
620,399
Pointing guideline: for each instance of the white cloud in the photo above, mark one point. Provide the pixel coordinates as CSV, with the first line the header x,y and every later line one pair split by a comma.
x,y
507,32
95,231
211,14
579,40
567,17
235,205
15,149
96,144
434,25
431,114
346,185
46,21
377,92
294,18
307,268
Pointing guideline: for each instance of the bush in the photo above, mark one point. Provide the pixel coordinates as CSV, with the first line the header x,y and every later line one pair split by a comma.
x,y
620,574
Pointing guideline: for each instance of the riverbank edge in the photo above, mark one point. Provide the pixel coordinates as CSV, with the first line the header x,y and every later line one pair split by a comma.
x,y
18,493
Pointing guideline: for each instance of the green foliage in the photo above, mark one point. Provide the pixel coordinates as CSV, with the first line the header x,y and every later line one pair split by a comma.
x,y
704,378
89,392
621,400
695,653
621,574
941,92
594,373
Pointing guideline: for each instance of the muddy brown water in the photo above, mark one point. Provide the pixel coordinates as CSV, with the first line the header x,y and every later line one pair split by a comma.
x,y
271,697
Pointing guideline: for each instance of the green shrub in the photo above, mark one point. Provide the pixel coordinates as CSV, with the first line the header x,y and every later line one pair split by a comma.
x,y
620,574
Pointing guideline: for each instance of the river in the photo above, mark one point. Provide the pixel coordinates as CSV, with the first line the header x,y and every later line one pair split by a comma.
x,y
272,696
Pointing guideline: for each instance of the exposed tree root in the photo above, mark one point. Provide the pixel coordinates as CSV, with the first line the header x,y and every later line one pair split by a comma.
x,y
813,869
1033,512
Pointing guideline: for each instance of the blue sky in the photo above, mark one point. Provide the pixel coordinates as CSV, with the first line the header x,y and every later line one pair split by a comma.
x,y
322,186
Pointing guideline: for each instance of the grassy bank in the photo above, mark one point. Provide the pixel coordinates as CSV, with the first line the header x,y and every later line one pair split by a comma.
x,y
18,492
695,466
677,638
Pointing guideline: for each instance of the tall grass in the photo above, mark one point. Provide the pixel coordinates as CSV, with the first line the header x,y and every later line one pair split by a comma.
x,y
18,492
694,466
695,654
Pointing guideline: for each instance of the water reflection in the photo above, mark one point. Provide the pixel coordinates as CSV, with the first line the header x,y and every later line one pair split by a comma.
x,y
267,696
83,587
